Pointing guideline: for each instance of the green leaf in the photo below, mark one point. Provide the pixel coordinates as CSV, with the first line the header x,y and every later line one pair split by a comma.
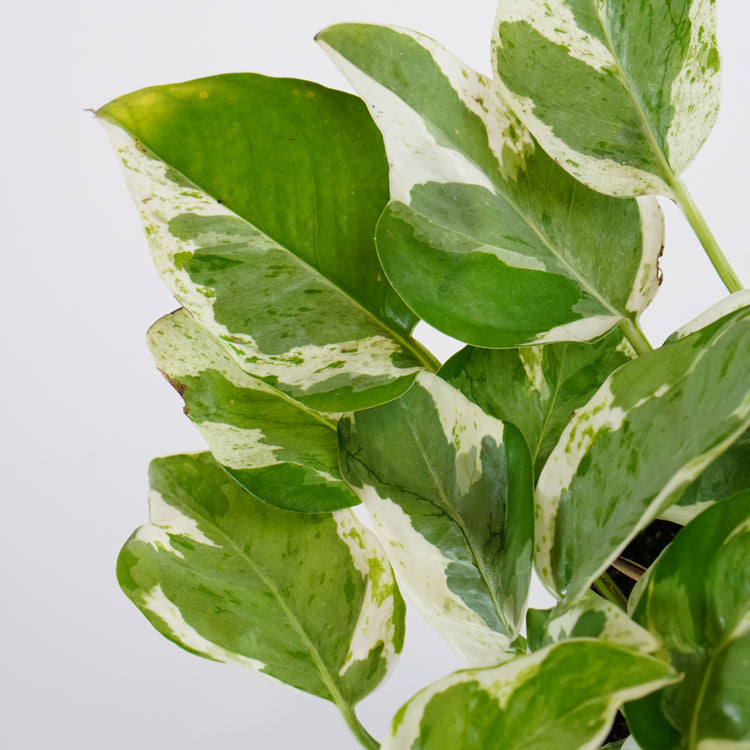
x,y
590,617
650,430
622,94
696,599
536,388
259,197
282,452
486,238
449,490
726,476
563,697
307,599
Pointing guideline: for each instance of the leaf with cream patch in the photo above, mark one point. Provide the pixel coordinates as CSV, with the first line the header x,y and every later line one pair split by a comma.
x,y
564,696
486,238
652,428
622,94
590,617
260,197
449,490
536,388
696,599
308,599
281,451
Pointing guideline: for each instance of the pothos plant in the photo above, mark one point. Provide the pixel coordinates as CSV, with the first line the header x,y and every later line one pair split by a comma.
x,y
304,232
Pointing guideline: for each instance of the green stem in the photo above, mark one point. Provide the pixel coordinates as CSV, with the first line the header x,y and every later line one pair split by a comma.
x,y
355,725
610,591
706,237
635,336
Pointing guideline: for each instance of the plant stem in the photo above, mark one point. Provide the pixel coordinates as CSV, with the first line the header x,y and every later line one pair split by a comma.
x,y
706,237
357,729
635,336
611,591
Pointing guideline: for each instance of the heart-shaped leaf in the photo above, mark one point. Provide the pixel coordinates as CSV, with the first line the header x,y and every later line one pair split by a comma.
x,y
282,452
696,599
486,238
650,430
449,490
536,387
564,696
260,197
307,599
622,94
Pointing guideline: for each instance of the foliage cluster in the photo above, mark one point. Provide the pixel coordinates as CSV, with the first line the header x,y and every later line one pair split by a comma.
x,y
305,232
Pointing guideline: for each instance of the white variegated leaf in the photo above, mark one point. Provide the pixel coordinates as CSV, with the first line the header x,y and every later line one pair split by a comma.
x,y
264,231
652,428
308,599
449,491
486,238
622,94
275,447
582,682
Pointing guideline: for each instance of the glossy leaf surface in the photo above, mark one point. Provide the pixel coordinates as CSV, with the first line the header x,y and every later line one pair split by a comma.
x,y
486,238
696,599
307,599
259,197
644,437
283,453
622,94
449,490
564,697
537,388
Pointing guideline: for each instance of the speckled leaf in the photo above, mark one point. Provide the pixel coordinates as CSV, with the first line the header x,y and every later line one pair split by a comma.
x,y
696,599
260,197
307,599
590,617
563,697
622,94
537,387
449,490
282,452
630,453
486,238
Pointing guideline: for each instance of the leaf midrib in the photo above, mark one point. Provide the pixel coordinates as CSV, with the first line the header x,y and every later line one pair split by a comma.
x,y
669,175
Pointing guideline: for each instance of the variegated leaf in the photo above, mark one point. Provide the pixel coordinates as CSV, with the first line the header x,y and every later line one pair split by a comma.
x,y
727,475
307,599
282,452
650,430
259,197
696,599
486,238
622,94
536,387
590,617
563,697
449,490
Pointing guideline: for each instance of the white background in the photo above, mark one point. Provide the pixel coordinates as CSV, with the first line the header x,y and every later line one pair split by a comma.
x,y
83,409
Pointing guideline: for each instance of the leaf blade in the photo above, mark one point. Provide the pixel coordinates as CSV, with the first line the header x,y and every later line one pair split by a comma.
x,y
284,271
500,707
212,572
635,89
449,491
